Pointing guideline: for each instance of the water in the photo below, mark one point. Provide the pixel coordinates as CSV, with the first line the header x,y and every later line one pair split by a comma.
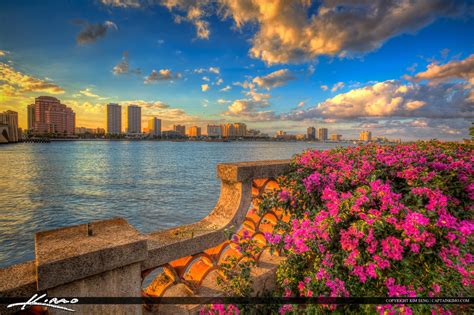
x,y
154,185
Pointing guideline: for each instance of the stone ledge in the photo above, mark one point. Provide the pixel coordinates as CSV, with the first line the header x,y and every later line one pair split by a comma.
x,y
68,254
242,171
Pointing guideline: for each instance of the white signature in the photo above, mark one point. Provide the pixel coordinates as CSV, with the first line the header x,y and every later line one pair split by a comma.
x,y
43,301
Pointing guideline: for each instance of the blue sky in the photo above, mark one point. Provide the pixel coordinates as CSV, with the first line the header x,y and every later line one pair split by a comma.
x,y
404,74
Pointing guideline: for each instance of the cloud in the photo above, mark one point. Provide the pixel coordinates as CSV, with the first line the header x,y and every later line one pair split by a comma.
x,y
123,3
301,104
324,87
274,79
219,81
3,53
291,31
161,75
123,67
250,110
226,88
194,12
87,92
152,105
393,98
16,82
337,86
92,32
206,79
462,69
215,70
298,31
205,87
222,101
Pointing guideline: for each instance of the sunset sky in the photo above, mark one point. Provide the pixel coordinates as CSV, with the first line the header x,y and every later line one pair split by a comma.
x,y
402,69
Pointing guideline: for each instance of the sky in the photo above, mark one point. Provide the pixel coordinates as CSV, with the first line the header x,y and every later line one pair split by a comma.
x,y
402,69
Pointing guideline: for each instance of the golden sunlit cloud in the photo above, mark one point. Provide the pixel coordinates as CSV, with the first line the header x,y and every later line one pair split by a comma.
x,y
23,83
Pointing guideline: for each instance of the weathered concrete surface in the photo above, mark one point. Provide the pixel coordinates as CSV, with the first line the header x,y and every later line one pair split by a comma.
x,y
17,281
69,254
243,171
120,282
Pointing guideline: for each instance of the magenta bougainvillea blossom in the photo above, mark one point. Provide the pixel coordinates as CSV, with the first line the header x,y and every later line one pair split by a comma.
x,y
377,221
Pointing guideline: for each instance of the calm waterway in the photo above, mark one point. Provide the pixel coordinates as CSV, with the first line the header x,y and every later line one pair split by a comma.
x,y
154,185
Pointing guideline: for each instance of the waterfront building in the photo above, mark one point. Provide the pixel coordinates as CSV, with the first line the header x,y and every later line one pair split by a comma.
x,y
322,134
3,134
195,131
365,135
154,127
53,117
114,119
280,133
9,118
300,136
228,130
214,131
240,129
336,137
180,129
31,117
134,119
311,133
171,134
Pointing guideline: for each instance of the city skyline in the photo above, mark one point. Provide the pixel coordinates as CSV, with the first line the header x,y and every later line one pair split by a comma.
x,y
408,75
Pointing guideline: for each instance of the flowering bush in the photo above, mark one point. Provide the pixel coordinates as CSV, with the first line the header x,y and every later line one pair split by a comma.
x,y
375,221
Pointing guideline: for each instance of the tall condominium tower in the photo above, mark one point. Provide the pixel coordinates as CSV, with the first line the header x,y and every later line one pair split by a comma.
x,y
322,134
52,117
31,117
311,133
240,129
134,121
154,126
195,131
114,119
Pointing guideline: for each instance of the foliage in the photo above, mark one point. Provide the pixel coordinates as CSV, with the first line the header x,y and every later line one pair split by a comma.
x,y
373,221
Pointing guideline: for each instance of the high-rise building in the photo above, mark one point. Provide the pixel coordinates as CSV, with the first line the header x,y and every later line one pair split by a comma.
x,y
195,131
31,117
228,130
322,134
240,129
365,135
134,121
154,127
336,137
114,119
53,117
214,131
311,133
10,119
180,129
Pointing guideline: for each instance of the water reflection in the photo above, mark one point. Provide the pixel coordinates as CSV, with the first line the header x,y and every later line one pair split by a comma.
x,y
154,185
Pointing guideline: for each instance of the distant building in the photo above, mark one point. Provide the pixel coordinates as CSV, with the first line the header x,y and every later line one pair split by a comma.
x,y
134,119
100,131
114,119
322,134
301,136
154,127
240,129
52,117
195,131
3,134
9,118
335,137
365,135
311,133
214,131
280,133
228,130
180,129
31,117
171,134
